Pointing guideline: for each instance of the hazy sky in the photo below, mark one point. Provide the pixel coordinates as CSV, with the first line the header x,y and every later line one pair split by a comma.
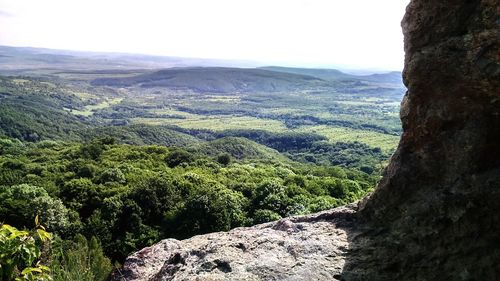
x,y
347,33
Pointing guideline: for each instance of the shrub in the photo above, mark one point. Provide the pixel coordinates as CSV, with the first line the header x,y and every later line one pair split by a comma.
x,y
262,216
20,253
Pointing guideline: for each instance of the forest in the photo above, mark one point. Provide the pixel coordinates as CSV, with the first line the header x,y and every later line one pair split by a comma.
x,y
98,163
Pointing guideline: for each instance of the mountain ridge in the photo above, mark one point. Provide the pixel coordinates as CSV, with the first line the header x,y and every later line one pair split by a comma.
x,y
213,79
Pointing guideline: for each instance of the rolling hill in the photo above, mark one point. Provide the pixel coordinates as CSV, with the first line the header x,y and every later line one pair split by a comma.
x,y
214,79
240,148
334,74
325,74
143,135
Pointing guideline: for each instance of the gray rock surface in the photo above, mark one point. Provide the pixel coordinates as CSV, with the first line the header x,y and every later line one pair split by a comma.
x,y
297,248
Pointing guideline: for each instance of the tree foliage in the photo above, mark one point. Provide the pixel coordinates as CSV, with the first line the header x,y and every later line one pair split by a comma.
x,y
130,197
20,253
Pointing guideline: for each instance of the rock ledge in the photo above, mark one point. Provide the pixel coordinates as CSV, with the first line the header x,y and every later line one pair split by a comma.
x,y
312,247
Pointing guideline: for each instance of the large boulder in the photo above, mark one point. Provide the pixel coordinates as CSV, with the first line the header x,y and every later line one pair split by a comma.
x,y
309,247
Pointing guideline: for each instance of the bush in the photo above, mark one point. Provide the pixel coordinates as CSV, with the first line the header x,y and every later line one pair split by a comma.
x,y
20,252
262,216
177,157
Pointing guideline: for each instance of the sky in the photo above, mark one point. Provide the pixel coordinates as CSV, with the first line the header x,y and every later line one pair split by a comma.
x,y
356,34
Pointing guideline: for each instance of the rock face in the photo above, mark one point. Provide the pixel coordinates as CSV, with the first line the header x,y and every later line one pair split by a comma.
x,y
298,248
439,200
436,213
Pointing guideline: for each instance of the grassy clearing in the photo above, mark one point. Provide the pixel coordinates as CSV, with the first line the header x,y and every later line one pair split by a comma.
x,y
90,109
84,96
216,122
223,99
20,81
171,111
341,134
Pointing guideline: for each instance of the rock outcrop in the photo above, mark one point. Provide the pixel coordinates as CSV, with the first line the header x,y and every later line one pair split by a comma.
x,y
298,248
436,213
439,200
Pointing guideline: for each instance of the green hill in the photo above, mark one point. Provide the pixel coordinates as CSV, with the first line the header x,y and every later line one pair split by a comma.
x,y
143,135
34,120
334,74
240,148
33,110
326,74
214,79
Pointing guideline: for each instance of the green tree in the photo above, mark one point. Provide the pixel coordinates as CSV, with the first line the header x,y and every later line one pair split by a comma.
x,y
92,150
262,216
224,159
79,260
112,175
177,157
20,203
81,195
212,208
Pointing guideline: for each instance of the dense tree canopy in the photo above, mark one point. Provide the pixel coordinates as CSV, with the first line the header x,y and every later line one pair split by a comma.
x,y
132,196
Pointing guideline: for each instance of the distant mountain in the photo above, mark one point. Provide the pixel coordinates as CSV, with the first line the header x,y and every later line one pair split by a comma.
x,y
326,74
334,74
214,79
390,77
35,61
18,59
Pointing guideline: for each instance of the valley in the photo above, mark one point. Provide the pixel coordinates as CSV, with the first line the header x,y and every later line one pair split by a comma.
x,y
131,152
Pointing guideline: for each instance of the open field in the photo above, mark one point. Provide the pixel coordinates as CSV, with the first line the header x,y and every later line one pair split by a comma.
x,y
88,110
216,122
386,142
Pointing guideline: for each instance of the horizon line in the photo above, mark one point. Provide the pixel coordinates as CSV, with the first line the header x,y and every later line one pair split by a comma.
x,y
253,63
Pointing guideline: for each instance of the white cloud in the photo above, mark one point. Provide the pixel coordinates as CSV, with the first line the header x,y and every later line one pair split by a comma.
x,y
355,33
